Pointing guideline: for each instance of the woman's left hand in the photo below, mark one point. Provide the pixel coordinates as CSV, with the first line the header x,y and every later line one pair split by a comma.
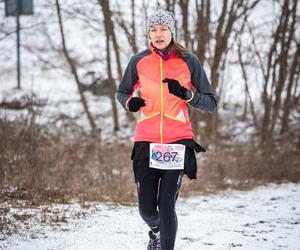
x,y
176,89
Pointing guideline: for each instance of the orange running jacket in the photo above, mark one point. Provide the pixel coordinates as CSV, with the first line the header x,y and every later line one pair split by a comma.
x,y
164,118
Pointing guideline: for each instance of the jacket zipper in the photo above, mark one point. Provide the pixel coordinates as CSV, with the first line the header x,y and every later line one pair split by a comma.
x,y
161,102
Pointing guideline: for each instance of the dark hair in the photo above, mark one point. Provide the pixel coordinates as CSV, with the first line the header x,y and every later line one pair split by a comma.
x,y
179,50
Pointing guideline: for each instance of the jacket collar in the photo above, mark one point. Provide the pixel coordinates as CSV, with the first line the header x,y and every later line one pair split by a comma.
x,y
159,53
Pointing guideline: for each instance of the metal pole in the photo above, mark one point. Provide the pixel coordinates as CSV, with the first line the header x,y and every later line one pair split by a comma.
x,y
18,44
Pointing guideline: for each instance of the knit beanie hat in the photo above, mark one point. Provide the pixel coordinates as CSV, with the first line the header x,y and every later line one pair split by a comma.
x,y
162,17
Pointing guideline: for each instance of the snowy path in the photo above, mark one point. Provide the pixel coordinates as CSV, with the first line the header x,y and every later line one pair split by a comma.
x,y
265,218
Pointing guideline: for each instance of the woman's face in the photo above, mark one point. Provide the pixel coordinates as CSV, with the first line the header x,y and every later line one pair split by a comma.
x,y
160,36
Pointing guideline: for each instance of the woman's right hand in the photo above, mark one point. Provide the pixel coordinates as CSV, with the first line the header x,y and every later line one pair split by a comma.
x,y
135,103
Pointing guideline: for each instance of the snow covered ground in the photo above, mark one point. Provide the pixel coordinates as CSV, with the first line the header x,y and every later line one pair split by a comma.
x,y
265,218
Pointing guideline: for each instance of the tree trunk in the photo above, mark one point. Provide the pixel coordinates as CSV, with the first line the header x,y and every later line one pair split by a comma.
x,y
74,70
266,97
203,13
109,29
288,99
170,5
134,46
283,59
203,36
185,15
130,34
113,89
109,33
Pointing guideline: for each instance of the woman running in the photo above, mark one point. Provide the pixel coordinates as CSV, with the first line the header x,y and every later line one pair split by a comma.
x,y
159,83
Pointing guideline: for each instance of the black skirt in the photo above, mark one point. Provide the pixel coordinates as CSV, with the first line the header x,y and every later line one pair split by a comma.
x,y
140,157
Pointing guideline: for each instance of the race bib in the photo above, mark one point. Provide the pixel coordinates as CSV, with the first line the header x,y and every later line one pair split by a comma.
x,y
167,156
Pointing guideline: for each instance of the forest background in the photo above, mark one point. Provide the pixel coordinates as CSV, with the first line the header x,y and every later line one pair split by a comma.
x,y
63,135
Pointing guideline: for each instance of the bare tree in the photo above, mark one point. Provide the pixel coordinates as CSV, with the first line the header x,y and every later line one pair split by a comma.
x,y
286,39
134,46
73,69
129,28
202,37
170,5
110,34
230,14
248,95
292,80
277,70
202,27
185,17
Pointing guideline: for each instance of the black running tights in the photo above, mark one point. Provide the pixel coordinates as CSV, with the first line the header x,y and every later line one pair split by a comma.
x,y
157,198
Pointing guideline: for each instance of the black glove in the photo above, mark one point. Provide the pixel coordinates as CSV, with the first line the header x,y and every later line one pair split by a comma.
x,y
176,89
135,103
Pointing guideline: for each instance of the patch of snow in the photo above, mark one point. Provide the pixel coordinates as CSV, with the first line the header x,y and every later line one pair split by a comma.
x,y
267,217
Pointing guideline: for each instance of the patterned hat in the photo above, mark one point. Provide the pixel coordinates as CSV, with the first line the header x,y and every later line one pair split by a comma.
x,y
162,17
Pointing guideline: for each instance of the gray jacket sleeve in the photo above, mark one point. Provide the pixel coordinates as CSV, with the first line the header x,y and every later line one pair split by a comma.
x,y
128,81
204,97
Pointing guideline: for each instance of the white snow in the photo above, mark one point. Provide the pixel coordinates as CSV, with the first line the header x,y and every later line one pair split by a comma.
x,y
267,217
